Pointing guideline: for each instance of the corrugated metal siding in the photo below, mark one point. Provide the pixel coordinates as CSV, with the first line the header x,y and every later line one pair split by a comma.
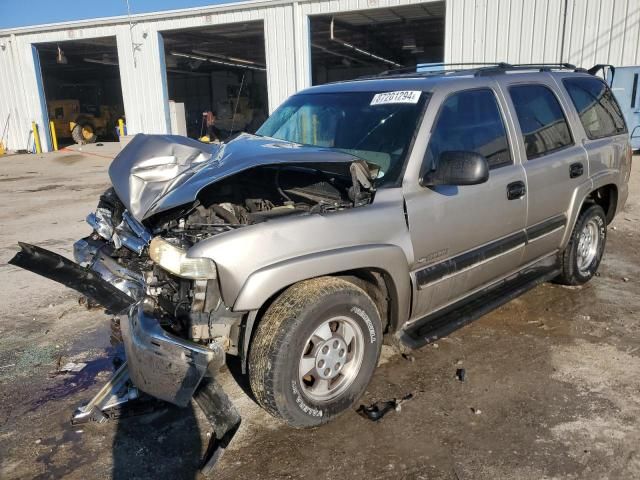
x,y
13,108
527,31
518,31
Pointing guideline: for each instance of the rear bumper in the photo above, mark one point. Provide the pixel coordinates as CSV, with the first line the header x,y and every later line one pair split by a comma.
x,y
163,365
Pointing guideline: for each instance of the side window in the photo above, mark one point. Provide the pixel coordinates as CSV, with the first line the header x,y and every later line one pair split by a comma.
x,y
470,120
542,122
599,112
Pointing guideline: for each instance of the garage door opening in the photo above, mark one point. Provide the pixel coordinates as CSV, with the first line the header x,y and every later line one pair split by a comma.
x,y
216,80
349,45
81,81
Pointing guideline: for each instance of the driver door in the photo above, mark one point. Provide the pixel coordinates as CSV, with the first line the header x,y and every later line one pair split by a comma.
x,y
465,237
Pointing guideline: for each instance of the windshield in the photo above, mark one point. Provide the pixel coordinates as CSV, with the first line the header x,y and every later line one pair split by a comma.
x,y
376,127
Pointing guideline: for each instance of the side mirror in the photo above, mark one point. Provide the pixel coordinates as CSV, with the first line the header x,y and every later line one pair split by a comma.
x,y
458,168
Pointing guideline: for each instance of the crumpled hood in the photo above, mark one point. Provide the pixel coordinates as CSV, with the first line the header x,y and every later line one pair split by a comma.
x,y
154,173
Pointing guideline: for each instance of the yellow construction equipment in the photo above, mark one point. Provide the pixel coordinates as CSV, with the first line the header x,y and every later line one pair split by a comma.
x,y
70,122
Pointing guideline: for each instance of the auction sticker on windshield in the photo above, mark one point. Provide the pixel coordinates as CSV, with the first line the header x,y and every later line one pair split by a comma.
x,y
404,96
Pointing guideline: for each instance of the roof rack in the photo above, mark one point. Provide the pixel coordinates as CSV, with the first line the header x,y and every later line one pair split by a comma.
x,y
475,68
540,67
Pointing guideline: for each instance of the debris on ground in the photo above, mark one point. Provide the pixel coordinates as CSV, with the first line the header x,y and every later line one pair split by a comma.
x,y
461,373
377,410
477,411
625,279
72,367
409,357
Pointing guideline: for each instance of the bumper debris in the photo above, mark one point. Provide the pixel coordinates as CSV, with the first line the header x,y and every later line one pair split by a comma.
x,y
163,365
62,270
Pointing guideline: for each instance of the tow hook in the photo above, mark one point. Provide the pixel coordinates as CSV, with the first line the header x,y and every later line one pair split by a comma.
x,y
120,398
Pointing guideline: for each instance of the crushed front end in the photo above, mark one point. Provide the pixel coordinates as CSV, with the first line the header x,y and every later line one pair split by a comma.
x,y
140,263
163,357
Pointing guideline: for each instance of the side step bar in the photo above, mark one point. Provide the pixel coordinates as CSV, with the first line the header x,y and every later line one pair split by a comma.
x,y
440,324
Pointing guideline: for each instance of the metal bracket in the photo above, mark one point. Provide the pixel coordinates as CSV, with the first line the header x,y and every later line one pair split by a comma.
x,y
116,392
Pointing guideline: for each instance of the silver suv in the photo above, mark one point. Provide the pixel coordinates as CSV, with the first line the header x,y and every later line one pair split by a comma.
x,y
401,207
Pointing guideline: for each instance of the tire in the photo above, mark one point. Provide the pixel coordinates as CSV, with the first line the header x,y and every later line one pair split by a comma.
x,y
581,257
302,322
80,137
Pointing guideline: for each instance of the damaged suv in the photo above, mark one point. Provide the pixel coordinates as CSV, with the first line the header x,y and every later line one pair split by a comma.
x,y
402,206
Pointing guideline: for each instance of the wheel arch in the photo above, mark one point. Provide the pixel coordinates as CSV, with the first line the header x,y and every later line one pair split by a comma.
x,y
380,270
607,197
603,192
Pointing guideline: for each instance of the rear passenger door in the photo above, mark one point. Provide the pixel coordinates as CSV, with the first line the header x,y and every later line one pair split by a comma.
x,y
555,166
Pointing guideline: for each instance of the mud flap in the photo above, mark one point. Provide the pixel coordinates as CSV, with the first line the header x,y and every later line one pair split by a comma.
x,y
62,270
222,415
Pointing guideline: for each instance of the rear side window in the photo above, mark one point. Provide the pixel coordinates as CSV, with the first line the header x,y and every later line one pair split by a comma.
x,y
599,112
470,121
542,122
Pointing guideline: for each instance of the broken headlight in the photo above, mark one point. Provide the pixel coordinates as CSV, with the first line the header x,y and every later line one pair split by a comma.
x,y
174,259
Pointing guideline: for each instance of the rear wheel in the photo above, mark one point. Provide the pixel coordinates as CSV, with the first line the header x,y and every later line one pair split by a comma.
x,y
581,258
314,351
83,132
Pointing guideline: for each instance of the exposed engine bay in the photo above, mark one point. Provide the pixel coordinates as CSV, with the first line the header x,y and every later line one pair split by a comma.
x,y
119,247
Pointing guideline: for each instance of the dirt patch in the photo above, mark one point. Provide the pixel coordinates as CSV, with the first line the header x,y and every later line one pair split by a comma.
x,y
70,159
15,179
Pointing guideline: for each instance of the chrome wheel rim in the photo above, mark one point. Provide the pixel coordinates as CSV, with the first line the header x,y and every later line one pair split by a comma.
x,y
588,243
331,358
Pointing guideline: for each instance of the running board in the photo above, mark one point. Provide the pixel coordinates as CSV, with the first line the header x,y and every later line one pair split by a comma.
x,y
440,324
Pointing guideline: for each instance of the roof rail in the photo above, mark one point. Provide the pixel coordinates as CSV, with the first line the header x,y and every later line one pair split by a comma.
x,y
475,68
439,68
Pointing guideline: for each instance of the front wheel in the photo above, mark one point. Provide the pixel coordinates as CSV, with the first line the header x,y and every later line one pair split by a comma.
x,y
581,257
314,351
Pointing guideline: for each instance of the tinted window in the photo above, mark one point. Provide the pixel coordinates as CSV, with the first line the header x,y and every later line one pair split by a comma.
x,y
599,112
544,127
470,121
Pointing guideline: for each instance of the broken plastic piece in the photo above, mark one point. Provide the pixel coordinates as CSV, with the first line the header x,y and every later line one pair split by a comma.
x,y
376,411
222,415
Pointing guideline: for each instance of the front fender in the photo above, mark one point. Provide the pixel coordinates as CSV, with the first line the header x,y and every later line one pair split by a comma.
x,y
390,259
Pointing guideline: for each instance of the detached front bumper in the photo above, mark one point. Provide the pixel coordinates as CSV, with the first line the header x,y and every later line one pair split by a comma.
x,y
163,365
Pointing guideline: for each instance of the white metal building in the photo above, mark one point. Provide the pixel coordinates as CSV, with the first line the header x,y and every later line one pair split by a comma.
x,y
295,34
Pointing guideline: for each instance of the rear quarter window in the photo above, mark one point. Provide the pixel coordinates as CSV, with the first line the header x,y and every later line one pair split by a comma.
x,y
598,109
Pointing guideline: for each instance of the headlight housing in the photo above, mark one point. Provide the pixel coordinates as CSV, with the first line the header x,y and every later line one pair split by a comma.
x,y
174,259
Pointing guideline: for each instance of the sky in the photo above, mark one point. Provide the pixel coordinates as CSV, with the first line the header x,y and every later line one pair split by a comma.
x,y
21,13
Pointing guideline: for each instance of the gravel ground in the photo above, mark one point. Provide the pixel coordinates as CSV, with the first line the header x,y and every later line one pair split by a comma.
x,y
552,386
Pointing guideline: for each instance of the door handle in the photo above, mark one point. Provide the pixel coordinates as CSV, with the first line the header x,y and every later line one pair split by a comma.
x,y
576,170
516,190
